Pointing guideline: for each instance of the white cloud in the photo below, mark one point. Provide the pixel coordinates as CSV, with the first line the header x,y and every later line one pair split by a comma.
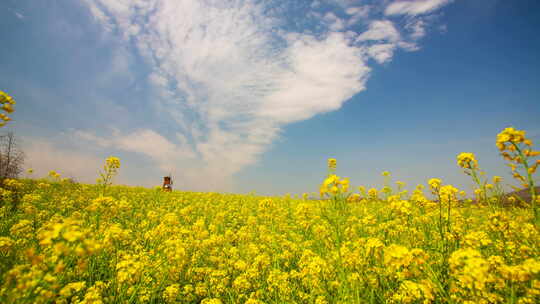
x,y
343,3
144,141
408,46
323,75
382,52
336,23
229,79
229,76
380,30
417,28
189,172
43,156
358,13
384,38
118,68
364,10
414,7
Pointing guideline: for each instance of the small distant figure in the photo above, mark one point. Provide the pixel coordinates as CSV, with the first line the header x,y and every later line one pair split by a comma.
x,y
167,183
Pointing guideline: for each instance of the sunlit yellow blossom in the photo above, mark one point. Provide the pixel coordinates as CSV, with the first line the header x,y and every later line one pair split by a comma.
x,y
402,207
448,194
477,239
467,161
434,183
5,244
171,292
355,197
23,229
72,288
113,162
334,185
509,135
372,193
521,273
470,269
241,283
54,174
332,163
411,292
93,294
11,183
211,301
7,107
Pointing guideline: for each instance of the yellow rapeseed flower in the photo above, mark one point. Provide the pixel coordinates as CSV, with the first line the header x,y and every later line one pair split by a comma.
x,y
8,108
434,183
372,193
171,292
54,174
211,301
6,244
332,163
510,135
467,160
113,162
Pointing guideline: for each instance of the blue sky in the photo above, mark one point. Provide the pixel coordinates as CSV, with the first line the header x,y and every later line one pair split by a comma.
x,y
245,95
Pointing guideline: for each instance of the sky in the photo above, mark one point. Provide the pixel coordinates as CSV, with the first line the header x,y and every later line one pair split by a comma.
x,y
254,96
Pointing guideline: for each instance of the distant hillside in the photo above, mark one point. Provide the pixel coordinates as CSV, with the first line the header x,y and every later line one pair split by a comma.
x,y
524,194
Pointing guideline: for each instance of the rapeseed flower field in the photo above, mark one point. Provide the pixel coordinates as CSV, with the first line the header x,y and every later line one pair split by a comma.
x,y
62,242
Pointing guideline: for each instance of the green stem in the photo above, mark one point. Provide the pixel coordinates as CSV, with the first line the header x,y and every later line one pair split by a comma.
x,y
448,214
440,215
529,180
482,187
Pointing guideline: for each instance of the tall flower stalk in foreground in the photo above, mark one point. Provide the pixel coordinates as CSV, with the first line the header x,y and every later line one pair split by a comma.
x,y
435,186
468,162
334,186
110,169
517,150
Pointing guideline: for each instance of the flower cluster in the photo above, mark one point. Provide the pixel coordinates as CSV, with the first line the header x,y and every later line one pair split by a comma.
x,y
334,185
517,149
110,169
467,161
332,163
54,175
7,103
113,162
434,183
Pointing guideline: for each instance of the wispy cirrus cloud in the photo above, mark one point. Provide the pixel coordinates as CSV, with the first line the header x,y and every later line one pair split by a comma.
x,y
228,75
414,7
